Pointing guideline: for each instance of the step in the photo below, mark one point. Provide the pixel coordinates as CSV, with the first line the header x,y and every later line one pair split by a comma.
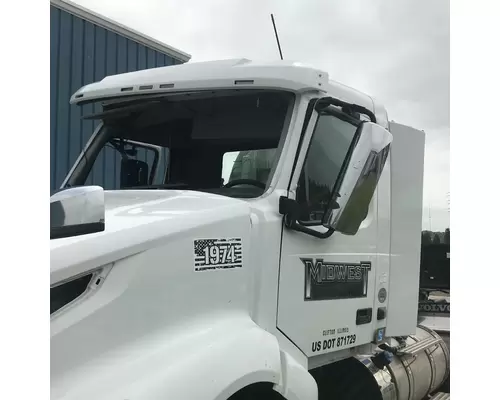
x,y
440,396
420,346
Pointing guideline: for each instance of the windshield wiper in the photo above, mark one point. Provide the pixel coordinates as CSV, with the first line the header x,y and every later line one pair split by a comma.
x,y
162,186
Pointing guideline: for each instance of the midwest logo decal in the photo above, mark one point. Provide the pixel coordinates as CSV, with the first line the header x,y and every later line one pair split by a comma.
x,y
335,280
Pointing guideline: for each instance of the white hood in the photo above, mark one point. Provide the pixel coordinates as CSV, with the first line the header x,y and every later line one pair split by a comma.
x,y
138,220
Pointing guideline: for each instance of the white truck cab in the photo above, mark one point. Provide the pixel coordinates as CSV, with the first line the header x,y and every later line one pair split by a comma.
x,y
257,235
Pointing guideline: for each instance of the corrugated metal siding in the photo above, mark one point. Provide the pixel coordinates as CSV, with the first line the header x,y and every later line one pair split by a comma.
x,y
82,53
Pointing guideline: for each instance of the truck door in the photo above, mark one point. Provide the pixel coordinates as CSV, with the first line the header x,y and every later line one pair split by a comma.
x,y
326,286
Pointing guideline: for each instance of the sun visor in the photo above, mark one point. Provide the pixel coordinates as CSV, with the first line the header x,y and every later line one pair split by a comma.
x,y
255,123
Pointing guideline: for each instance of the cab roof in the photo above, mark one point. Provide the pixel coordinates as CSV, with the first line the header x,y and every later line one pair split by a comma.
x,y
224,74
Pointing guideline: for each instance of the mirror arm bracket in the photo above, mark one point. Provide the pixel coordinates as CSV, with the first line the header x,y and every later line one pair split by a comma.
x,y
324,102
291,211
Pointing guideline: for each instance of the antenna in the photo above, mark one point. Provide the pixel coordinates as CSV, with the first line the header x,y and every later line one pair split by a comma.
x,y
276,33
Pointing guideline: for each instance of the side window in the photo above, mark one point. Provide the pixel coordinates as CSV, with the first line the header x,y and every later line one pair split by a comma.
x,y
107,168
329,146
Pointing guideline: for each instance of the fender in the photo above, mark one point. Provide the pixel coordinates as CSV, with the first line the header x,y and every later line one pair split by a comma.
x,y
209,362
296,382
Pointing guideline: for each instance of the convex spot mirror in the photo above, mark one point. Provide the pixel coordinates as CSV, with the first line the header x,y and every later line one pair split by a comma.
x,y
76,211
358,180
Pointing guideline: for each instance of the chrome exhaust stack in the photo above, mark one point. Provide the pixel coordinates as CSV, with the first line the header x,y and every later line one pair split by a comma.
x,y
412,370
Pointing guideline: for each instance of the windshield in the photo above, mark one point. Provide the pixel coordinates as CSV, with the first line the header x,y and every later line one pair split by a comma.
x,y
222,142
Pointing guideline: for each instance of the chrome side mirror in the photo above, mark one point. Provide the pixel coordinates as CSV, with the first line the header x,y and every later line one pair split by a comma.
x,y
355,188
76,211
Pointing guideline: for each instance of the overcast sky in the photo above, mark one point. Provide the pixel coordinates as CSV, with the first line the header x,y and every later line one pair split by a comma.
x,y
395,50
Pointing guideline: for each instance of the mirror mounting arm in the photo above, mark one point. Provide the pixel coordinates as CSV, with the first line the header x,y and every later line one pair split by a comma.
x,y
291,210
324,102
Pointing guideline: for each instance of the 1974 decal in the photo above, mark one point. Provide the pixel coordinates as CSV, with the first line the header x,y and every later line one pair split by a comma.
x,y
210,254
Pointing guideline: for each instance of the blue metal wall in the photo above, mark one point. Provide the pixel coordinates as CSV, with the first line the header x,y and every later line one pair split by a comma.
x,y
82,53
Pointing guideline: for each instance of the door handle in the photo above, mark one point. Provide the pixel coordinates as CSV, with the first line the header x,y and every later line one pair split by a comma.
x,y
364,316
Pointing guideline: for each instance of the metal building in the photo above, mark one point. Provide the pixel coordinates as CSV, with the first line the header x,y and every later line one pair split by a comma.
x,y
84,48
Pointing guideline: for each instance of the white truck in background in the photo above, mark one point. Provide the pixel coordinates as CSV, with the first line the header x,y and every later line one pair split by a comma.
x,y
204,273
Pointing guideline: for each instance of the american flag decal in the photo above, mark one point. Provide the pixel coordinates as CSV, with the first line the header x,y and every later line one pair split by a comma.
x,y
210,254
